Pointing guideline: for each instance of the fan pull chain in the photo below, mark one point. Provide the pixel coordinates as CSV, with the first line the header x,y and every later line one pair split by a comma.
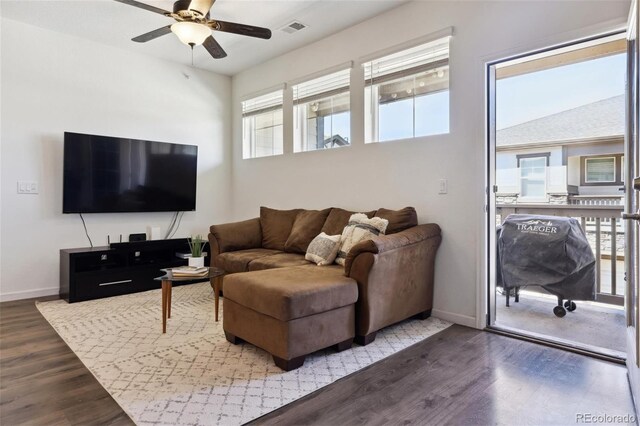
x,y
192,55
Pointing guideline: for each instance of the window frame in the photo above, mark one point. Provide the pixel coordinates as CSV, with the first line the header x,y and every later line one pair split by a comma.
x,y
547,155
251,145
519,157
617,171
300,121
371,108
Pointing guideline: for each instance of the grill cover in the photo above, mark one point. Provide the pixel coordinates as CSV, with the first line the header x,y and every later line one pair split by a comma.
x,y
547,251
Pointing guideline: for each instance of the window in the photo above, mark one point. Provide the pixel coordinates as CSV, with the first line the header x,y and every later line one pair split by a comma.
x,y
407,93
322,117
602,170
599,170
262,125
533,176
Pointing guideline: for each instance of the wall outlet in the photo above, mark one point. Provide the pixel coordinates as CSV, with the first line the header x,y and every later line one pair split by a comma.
x,y
27,187
443,186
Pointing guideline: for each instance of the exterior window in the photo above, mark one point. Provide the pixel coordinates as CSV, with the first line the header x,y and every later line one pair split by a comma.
x,y
533,177
599,170
262,125
322,116
407,93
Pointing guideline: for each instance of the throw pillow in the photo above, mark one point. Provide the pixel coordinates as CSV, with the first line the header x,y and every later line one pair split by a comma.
x,y
359,228
276,226
307,225
338,219
399,220
323,249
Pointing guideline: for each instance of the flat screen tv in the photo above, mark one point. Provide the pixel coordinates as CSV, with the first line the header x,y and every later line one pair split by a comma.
x,y
114,175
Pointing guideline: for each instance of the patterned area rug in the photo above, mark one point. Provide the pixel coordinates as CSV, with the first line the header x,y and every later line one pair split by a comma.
x,y
191,375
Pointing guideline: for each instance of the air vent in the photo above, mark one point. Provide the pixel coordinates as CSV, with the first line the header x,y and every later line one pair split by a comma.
x,y
293,27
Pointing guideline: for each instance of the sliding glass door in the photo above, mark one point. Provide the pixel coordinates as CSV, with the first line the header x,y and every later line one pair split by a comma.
x,y
556,143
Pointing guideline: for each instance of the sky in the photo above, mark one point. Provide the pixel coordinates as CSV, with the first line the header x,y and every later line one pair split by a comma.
x,y
534,95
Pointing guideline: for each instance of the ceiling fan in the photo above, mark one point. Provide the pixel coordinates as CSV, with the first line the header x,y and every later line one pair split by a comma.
x,y
193,26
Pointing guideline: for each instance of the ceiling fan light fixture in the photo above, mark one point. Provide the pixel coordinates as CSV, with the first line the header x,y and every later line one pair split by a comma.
x,y
191,33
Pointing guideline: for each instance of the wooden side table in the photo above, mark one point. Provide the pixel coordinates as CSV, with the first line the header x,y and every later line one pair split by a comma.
x,y
167,283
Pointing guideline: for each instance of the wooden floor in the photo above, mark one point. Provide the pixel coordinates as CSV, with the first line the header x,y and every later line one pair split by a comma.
x,y
463,376
459,376
42,382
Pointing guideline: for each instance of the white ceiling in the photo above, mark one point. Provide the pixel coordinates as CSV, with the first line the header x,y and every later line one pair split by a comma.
x,y
113,23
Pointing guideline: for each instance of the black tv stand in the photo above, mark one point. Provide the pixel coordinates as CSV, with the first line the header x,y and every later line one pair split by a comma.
x,y
121,268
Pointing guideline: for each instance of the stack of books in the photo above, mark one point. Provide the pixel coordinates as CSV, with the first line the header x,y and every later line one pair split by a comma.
x,y
190,271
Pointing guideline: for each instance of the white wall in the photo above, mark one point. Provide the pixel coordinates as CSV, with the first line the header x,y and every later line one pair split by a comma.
x,y
53,83
406,172
573,164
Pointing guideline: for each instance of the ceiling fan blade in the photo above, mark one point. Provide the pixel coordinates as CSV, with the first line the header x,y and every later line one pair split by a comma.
x,y
201,6
214,48
144,6
152,34
242,29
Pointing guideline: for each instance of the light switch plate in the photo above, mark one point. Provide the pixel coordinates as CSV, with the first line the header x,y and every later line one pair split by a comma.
x,y
443,186
27,187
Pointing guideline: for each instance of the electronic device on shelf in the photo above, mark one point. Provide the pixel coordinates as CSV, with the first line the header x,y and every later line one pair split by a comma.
x,y
137,237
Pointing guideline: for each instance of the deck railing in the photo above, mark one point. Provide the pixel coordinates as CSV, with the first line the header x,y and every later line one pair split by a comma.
x,y
597,200
605,232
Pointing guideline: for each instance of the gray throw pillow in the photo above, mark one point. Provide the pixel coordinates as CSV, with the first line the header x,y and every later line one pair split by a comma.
x,y
323,249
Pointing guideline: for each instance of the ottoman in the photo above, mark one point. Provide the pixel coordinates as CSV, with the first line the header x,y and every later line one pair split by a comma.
x,y
291,312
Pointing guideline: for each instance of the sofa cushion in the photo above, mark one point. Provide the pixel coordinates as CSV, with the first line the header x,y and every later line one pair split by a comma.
x,y
338,219
279,260
399,220
238,261
276,226
360,228
290,293
237,236
306,226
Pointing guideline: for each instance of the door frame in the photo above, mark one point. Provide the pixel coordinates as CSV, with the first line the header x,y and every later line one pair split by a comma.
x,y
632,170
489,285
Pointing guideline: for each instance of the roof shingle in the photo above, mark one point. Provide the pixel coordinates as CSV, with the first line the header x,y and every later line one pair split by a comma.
x,y
595,120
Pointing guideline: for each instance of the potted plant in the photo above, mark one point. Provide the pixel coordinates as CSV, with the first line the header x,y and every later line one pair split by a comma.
x,y
196,244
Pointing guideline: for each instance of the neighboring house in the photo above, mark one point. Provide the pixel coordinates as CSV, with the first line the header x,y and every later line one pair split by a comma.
x,y
573,156
334,141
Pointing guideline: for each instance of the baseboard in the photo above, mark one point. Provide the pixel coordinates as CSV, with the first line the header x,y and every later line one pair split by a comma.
x,y
455,318
28,294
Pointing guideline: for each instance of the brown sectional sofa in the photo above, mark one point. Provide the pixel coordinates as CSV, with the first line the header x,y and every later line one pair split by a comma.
x,y
276,300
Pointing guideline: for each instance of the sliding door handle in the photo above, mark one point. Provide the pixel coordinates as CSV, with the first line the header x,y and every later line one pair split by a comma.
x,y
631,216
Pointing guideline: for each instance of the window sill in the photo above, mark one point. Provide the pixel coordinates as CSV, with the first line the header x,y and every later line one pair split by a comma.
x,y
336,148
416,139
262,156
